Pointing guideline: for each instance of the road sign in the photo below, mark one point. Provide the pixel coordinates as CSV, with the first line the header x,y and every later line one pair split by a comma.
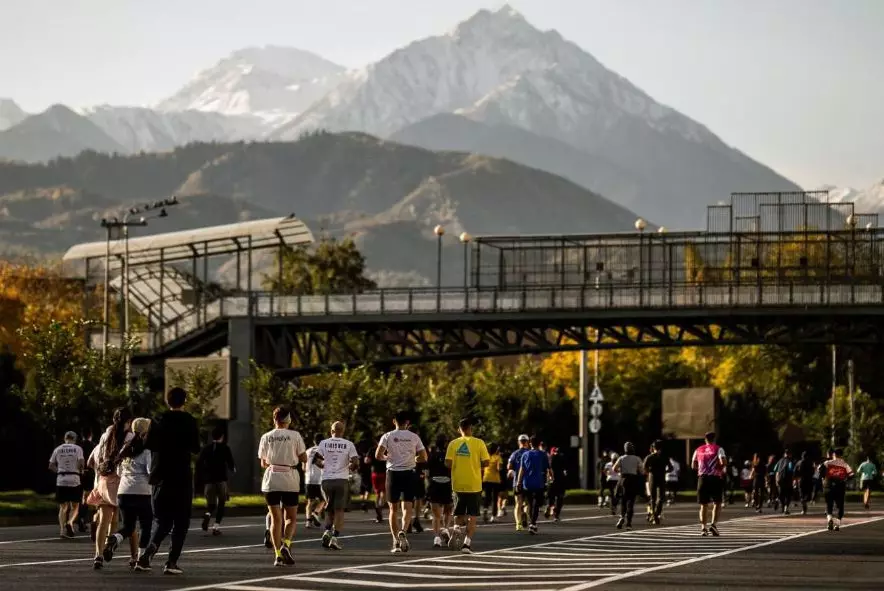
x,y
595,411
595,426
596,395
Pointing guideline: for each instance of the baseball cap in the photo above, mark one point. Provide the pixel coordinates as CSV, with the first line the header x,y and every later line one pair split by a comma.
x,y
70,436
523,437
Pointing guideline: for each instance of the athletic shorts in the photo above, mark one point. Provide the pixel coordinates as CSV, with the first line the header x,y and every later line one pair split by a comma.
x,y
400,486
68,494
314,492
710,489
440,493
379,482
467,504
420,488
280,498
216,492
867,485
337,493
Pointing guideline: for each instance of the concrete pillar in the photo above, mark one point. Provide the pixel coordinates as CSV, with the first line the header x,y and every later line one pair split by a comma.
x,y
240,431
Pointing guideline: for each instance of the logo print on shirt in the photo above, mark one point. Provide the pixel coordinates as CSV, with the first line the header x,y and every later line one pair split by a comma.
x,y
463,450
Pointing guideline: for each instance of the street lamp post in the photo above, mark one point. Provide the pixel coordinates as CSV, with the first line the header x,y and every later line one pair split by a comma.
x,y
465,239
111,224
640,225
439,231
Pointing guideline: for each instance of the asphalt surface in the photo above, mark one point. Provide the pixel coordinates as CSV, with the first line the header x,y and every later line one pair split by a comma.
x,y
584,551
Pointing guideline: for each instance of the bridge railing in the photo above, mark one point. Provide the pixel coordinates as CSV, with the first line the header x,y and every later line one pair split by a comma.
x,y
450,301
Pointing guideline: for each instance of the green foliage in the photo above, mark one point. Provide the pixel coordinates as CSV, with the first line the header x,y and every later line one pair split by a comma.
x,y
329,266
204,385
266,392
68,385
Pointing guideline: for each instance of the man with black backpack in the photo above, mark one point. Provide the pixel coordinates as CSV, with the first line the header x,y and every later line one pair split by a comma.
x,y
785,474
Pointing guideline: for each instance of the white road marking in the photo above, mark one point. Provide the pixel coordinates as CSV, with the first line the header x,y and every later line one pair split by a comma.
x,y
64,540
580,568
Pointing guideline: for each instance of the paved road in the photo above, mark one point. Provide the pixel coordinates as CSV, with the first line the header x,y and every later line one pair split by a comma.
x,y
583,552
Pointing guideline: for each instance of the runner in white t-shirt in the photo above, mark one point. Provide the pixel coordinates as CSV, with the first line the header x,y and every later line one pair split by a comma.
x,y
313,477
339,458
402,450
68,463
280,452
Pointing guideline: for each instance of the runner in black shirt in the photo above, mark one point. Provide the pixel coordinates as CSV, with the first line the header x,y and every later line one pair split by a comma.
x,y
214,463
804,476
656,466
556,491
759,481
439,492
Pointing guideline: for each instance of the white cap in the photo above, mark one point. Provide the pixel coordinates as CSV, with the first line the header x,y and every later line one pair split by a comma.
x,y
524,437
70,436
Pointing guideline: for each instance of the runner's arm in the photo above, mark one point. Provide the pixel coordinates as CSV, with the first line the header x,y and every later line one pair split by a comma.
x,y
381,452
422,456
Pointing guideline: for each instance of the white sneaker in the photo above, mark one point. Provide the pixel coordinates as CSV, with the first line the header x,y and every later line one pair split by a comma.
x,y
437,542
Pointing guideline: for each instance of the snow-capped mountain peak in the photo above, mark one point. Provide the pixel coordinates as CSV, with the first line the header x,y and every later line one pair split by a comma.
x,y
870,200
271,82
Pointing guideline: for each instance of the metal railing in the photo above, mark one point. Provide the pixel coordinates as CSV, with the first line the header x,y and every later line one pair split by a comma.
x,y
451,301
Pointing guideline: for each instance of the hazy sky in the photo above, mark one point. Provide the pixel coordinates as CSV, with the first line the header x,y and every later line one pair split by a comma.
x,y
796,84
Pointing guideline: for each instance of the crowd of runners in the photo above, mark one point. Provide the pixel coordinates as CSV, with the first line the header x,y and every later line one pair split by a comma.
x,y
138,479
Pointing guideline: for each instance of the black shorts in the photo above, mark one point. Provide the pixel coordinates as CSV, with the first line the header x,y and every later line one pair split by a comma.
x,y
867,485
314,492
279,498
467,504
440,493
420,488
710,489
68,494
400,486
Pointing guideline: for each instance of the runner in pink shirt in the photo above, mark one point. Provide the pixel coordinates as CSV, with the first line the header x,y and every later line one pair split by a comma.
x,y
710,462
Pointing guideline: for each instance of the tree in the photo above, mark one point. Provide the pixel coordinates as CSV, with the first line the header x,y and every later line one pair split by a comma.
x,y
329,266
266,391
204,385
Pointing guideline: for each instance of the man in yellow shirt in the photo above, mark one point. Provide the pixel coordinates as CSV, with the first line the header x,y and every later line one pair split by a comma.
x,y
466,457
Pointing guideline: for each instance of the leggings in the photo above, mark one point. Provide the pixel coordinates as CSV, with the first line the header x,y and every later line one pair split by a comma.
x,y
491,490
629,487
556,498
534,498
785,494
136,509
657,488
835,498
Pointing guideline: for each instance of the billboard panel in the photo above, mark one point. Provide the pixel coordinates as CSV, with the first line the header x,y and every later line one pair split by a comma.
x,y
223,406
689,413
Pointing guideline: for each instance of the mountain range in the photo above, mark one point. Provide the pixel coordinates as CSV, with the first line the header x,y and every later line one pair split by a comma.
x,y
495,85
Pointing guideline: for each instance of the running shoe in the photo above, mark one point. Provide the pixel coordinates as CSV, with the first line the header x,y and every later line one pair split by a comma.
x,y
455,539
326,538
98,563
838,525
172,568
396,549
278,561
132,563
286,556
68,531
532,529
445,535
501,512
547,513
704,532
315,521
466,549
308,524
437,542
620,523
403,542
109,548
426,512
830,524
334,544
628,526
216,530
206,519
519,527
268,543
713,529
786,511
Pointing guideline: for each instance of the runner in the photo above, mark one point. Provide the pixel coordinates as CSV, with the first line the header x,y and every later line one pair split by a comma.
x,y
466,457
835,473
67,462
629,467
773,495
440,492
534,472
420,491
365,473
512,467
804,469
401,449
491,484
87,483
172,440
378,484
867,473
710,462
133,495
339,457
104,460
280,451
600,464
746,483
313,477
612,483
557,485
506,485
672,481
759,482
785,470
214,463
656,465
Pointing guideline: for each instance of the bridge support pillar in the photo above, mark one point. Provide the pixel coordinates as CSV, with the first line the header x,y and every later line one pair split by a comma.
x,y
241,435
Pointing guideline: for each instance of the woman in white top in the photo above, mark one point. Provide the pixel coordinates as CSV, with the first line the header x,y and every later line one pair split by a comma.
x,y
133,495
104,461
280,451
